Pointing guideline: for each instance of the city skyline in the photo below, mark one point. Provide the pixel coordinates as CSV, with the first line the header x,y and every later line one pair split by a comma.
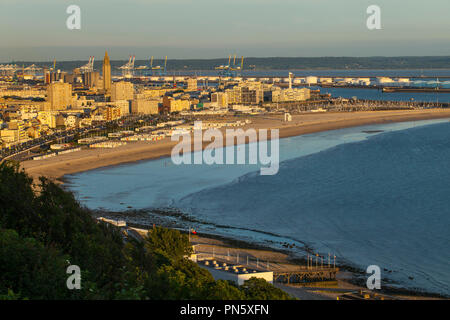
x,y
188,29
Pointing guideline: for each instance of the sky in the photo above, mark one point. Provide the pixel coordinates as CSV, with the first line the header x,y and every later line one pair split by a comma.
x,y
35,30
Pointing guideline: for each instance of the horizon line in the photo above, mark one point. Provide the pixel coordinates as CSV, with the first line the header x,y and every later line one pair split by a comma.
x,y
254,57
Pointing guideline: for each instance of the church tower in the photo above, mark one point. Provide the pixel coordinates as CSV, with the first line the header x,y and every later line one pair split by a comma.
x,y
106,74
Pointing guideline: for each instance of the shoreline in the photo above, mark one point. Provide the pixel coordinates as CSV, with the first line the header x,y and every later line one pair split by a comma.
x,y
350,278
89,159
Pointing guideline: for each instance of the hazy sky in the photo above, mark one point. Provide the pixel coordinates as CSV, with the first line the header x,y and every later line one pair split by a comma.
x,y
36,29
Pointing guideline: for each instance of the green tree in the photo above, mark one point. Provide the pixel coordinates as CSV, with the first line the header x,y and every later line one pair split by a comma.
x,y
171,243
260,289
30,269
224,290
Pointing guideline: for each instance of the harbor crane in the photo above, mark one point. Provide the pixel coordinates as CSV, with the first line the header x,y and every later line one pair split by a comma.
x,y
32,69
88,67
231,70
144,67
161,70
128,68
235,70
8,69
223,69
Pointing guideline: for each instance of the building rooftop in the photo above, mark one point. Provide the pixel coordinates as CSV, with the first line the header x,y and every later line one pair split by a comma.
x,y
227,267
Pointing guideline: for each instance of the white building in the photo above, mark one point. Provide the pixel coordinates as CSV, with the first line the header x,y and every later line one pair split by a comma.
x,y
286,95
235,273
311,80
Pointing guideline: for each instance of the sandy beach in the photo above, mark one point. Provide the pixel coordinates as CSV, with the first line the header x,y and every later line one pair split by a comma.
x,y
89,159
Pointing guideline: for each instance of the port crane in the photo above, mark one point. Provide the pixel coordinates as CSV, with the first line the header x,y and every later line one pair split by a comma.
x,y
235,70
144,67
51,68
128,68
32,69
88,67
231,70
8,68
161,70
11,69
223,69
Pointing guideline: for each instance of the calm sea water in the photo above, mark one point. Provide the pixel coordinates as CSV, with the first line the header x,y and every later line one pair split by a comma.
x,y
370,198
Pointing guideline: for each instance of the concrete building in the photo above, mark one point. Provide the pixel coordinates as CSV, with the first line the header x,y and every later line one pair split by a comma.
x,y
23,93
124,106
192,84
246,93
112,113
59,96
219,100
91,79
154,92
145,106
363,81
236,273
175,105
311,80
15,132
72,121
52,119
326,80
287,95
384,80
122,90
9,136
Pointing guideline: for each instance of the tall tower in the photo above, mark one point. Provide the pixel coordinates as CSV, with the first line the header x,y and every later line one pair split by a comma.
x,y
106,74
291,76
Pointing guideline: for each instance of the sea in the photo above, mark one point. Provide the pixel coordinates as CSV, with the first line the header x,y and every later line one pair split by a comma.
x,y
371,195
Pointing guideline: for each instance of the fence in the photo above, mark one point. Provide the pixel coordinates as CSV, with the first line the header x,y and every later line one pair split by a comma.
x,y
313,263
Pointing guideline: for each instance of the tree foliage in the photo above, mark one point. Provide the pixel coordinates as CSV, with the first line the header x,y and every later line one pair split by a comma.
x,y
171,243
259,289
